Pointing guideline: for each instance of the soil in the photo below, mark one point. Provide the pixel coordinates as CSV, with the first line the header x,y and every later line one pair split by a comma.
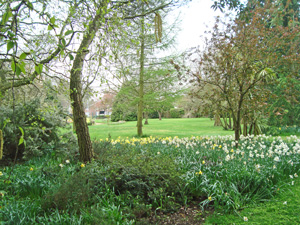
x,y
189,215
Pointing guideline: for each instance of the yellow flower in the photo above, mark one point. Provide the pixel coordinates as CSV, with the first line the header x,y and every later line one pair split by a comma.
x,y
1,174
209,198
279,128
203,162
220,146
82,165
232,150
31,169
199,173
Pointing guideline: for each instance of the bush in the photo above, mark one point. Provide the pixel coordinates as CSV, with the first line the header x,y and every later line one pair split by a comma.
x,y
40,123
176,113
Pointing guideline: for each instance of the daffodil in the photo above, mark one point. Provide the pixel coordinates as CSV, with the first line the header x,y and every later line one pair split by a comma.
x,y
209,198
82,165
203,162
31,169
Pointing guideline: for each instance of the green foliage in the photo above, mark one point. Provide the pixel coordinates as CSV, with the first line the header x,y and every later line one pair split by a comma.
x,y
32,128
132,178
176,113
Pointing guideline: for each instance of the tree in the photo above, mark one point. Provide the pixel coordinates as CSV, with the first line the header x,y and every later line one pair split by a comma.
x,y
241,71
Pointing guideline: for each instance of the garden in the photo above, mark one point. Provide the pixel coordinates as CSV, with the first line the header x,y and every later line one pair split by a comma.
x,y
107,116
149,180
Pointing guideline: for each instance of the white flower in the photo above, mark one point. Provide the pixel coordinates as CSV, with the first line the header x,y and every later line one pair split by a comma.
x,y
293,182
245,219
285,203
67,161
291,176
61,165
158,153
227,158
276,159
295,175
197,152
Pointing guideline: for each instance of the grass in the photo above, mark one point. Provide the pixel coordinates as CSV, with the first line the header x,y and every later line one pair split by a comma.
x,y
283,209
159,128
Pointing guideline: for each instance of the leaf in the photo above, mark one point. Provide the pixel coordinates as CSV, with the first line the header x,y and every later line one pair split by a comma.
x,y
68,32
10,45
6,17
18,70
13,65
22,67
39,68
52,20
71,56
21,140
23,56
29,4
63,41
50,27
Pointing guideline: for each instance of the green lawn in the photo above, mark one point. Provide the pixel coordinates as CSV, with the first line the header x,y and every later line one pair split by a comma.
x,y
160,128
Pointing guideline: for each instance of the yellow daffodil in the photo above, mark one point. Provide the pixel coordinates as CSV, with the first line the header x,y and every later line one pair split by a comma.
x,y
203,162
209,198
31,169
82,165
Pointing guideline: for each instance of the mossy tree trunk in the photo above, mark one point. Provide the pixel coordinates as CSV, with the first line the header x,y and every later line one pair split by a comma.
x,y
141,80
79,118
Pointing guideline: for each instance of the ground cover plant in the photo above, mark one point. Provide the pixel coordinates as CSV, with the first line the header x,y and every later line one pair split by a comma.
x,y
133,179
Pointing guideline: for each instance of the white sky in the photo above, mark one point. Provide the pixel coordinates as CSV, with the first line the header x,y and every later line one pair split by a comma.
x,y
196,16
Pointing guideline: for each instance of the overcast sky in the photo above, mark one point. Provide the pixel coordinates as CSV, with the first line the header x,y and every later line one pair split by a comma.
x,y
196,16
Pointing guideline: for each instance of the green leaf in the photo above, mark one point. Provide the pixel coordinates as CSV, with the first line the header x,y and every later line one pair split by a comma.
x,y
18,70
13,66
10,45
22,67
63,41
52,20
6,17
29,4
71,56
68,32
50,27
23,56
21,140
39,68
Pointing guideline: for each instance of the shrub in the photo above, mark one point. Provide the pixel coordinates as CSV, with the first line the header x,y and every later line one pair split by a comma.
x,y
40,123
176,113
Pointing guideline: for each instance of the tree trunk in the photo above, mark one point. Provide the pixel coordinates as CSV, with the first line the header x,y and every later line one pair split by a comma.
x,y
245,127
159,115
225,122
79,118
146,119
141,80
229,121
217,120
